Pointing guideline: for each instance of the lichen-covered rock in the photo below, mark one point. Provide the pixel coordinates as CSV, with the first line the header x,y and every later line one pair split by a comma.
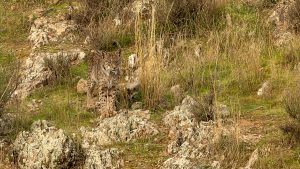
x,y
35,73
44,147
183,115
178,163
137,106
190,139
6,123
281,21
45,30
102,159
120,128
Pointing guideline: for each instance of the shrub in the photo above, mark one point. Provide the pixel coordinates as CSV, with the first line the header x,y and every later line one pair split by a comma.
x,y
95,11
9,80
97,21
59,67
268,3
295,15
189,15
292,107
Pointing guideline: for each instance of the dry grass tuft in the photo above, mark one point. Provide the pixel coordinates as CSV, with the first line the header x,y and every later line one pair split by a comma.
x,y
60,69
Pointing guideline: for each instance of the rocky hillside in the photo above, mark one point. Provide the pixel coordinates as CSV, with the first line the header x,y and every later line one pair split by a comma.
x,y
115,84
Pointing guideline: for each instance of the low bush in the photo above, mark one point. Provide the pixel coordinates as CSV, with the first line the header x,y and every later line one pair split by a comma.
x,y
295,15
189,16
97,20
60,69
292,107
9,77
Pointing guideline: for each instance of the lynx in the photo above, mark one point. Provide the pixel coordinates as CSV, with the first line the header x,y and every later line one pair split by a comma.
x,y
103,76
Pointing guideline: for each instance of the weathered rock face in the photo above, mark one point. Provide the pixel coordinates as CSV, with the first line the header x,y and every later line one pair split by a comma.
x,y
55,30
280,19
189,138
177,163
6,123
120,128
46,30
44,147
35,73
101,159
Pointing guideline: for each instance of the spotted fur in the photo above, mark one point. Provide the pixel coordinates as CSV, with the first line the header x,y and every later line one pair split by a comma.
x,y
103,77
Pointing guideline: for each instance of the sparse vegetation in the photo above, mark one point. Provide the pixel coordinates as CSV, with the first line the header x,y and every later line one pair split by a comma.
x,y
221,48
295,15
9,77
292,107
60,68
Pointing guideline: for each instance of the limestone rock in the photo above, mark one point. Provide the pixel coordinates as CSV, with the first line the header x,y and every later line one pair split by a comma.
x,y
177,163
253,158
144,114
132,61
223,111
137,105
281,21
45,30
82,86
101,159
44,146
35,73
120,128
264,90
183,115
190,138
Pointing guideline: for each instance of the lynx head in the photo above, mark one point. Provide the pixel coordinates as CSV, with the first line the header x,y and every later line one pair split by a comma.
x,y
111,63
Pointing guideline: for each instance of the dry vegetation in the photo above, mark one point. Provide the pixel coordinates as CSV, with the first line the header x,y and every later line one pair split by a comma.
x,y
218,48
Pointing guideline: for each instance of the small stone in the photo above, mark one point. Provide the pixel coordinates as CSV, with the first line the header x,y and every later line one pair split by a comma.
x,y
133,85
132,61
117,21
223,111
82,86
145,114
264,90
87,40
252,160
216,165
137,105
